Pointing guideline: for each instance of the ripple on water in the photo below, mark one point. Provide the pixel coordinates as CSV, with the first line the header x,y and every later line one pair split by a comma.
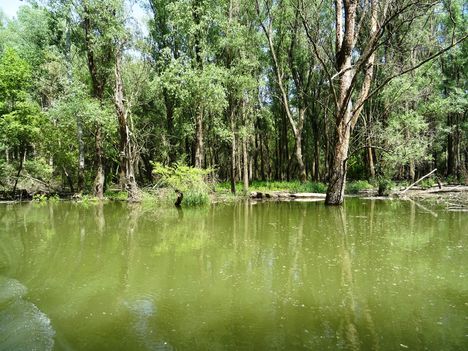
x,y
22,325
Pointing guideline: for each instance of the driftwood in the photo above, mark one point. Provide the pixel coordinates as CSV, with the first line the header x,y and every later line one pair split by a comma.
x,y
455,189
416,182
282,195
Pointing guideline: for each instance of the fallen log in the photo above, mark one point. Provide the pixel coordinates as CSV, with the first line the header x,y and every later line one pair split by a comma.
x,y
416,182
308,195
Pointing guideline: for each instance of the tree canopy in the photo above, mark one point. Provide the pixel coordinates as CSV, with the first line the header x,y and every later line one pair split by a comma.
x,y
94,93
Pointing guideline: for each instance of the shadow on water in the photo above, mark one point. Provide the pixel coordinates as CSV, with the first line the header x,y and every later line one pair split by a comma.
x,y
369,276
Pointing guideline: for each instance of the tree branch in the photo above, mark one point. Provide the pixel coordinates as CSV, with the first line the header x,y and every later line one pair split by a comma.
x,y
410,69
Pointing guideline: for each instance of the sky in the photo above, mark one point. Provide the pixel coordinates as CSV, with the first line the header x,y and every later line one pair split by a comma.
x,y
9,7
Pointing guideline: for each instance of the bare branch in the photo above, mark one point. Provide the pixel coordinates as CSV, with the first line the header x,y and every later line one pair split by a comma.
x,y
389,79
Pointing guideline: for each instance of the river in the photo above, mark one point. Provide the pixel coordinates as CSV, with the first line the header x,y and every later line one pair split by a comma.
x,y
372,275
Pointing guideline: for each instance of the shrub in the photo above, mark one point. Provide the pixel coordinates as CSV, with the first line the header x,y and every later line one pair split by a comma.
x,y
196,198
192,182
116,195
357,186
427,183
385,186
40,197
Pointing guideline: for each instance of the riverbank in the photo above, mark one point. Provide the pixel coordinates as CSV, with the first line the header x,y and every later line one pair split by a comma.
x,y
451,197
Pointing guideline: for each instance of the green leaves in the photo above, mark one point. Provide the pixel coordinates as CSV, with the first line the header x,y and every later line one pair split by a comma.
x,y
406,138
23,125
191,181
15,78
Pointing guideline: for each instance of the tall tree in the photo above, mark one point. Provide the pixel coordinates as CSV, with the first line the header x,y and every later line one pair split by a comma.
x,y
361,28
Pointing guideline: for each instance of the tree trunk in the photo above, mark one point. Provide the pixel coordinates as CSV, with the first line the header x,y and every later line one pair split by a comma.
x,y
245,161
169,104
199,139
81,158
369,153
233,158
317,160
20,168
347,115
69,179
127,180
370,161
79,122
300,162
336,187
262,161
98,84
296,125
99,179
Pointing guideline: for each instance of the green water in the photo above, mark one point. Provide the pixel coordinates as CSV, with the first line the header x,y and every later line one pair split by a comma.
x,y
374,275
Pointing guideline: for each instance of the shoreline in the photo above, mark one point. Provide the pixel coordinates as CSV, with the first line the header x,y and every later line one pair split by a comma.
x,y
452,198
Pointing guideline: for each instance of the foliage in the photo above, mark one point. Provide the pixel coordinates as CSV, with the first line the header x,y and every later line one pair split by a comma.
x,y
292,186
204,74
191,181
357,186
407,140
385,186
116,195
427,183
40,197
40,168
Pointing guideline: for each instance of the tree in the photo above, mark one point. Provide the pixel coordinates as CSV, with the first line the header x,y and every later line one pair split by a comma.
x,y
20,117
360,30
300,69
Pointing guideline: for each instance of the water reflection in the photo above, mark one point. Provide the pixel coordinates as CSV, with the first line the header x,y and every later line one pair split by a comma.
x,y
369,276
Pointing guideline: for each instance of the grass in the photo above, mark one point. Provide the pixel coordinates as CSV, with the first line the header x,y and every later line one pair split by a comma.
x,y
355,187
116,195
292,186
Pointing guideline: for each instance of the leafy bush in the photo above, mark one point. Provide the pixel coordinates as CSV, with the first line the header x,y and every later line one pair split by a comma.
x,y
116,195
6,171
195,198
192,182
39,168
54,198
40,197
427,183
385,186
357,186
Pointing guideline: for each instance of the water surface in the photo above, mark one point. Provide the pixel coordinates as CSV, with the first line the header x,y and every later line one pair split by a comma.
x,y
374,275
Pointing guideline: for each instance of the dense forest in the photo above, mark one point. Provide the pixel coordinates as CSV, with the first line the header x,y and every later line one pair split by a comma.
x,y
93,96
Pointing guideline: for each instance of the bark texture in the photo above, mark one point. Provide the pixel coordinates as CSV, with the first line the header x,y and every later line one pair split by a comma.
x,y
127,174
